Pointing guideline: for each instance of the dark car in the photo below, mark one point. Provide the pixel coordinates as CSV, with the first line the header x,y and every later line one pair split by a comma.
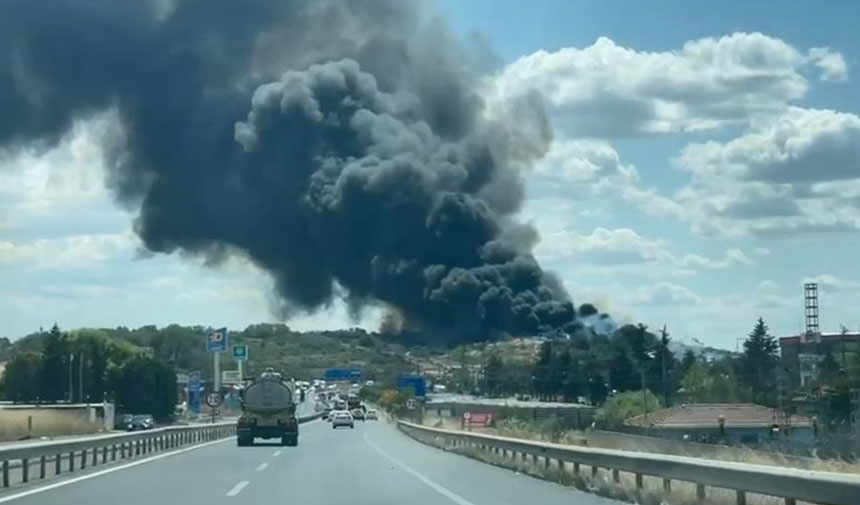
x,y
141,422
123,421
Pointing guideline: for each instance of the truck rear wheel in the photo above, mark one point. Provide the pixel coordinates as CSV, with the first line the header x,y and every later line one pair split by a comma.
x,y
244,442
289,440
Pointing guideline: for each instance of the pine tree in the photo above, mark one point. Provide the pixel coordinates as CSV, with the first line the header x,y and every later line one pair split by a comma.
x,y
760,364
53,379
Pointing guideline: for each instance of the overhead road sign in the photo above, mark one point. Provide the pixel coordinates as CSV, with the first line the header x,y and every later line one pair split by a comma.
x,y
240,352
216,340
414,382
342,374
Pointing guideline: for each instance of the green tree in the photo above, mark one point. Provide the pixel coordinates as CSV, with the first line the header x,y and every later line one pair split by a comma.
x,y
687,361
623,375
623,406
493,371
760,364
21,377
145,386
53,379
829,370
542,375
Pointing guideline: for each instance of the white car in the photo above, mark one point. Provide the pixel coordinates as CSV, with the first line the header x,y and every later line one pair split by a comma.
x,y
371,415
341,418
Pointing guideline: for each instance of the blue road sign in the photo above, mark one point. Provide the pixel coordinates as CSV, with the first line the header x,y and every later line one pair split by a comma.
x,y
413,382
240,352
342,374
194,388
216,340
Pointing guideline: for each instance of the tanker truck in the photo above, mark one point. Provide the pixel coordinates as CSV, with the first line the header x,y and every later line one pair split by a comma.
x,y
268,411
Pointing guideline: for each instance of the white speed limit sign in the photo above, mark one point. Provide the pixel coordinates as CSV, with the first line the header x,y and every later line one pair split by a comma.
x,y
411,404
213,399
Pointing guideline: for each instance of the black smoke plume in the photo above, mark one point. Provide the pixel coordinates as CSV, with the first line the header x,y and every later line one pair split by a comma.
x,y
344,146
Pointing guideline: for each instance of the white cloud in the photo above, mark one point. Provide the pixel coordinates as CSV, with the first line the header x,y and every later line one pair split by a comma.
x,y
767,286
832,283
623,246
665,293
832,64
74,252
795,174
605,90
592,168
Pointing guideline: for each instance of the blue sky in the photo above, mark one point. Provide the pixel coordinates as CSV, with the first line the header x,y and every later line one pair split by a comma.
x,y
704,165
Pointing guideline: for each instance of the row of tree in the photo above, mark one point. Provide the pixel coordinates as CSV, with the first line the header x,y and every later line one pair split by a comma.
x,y
596,367
85,366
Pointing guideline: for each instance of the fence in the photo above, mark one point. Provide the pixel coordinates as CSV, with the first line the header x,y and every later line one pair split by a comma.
x,y
787,483
50,459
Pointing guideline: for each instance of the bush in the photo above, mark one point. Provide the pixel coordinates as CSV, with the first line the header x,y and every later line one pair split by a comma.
x,y
625,405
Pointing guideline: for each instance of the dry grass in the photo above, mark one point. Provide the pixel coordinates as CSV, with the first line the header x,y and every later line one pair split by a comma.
x,y
527,431
602,483
45,423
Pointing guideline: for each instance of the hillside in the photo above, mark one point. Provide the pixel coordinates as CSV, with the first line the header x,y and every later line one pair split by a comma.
x,y
300,354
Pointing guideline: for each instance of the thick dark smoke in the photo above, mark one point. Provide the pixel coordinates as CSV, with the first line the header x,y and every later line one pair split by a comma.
x,y
335,143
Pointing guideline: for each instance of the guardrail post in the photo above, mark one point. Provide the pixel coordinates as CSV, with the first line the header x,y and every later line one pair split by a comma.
x,y
594,470
104,454
790,501
546,461
83,459
95,456
57,459
700,491
42,461
667,485
113,452
742,497
5,473
25,470
72,461
575,468
638,481
616,476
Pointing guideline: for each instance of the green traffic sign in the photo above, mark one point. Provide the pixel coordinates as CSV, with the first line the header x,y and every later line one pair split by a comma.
x,y
240,352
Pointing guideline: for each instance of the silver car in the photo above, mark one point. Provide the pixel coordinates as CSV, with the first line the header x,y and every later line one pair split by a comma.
x,y
341,418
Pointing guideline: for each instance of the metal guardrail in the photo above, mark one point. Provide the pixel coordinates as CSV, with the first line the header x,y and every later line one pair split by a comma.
x,y
55,458
791,484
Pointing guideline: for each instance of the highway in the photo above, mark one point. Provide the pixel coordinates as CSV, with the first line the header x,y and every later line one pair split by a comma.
x,y
371,464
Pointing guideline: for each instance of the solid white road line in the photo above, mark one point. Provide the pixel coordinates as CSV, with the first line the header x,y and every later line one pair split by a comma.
x,y
447,493
112,469
262,466
238,488
277,453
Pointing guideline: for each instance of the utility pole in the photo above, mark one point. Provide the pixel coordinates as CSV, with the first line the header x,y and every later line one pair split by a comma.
x,y
81,377
644,397
71,375
664,339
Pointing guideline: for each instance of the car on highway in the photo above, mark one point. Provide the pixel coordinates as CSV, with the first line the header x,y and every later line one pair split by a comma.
x,y
342,418
371,415
140,422
357,414
326,413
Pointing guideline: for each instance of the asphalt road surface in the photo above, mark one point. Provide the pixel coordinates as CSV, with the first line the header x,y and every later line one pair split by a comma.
x,y
372,464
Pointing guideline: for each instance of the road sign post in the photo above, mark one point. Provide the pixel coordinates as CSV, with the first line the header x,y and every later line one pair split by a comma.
x,y
240,354
216,343
194,392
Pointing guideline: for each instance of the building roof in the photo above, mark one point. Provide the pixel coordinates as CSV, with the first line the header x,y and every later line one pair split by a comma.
x,y
825,337
452,398
706,415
